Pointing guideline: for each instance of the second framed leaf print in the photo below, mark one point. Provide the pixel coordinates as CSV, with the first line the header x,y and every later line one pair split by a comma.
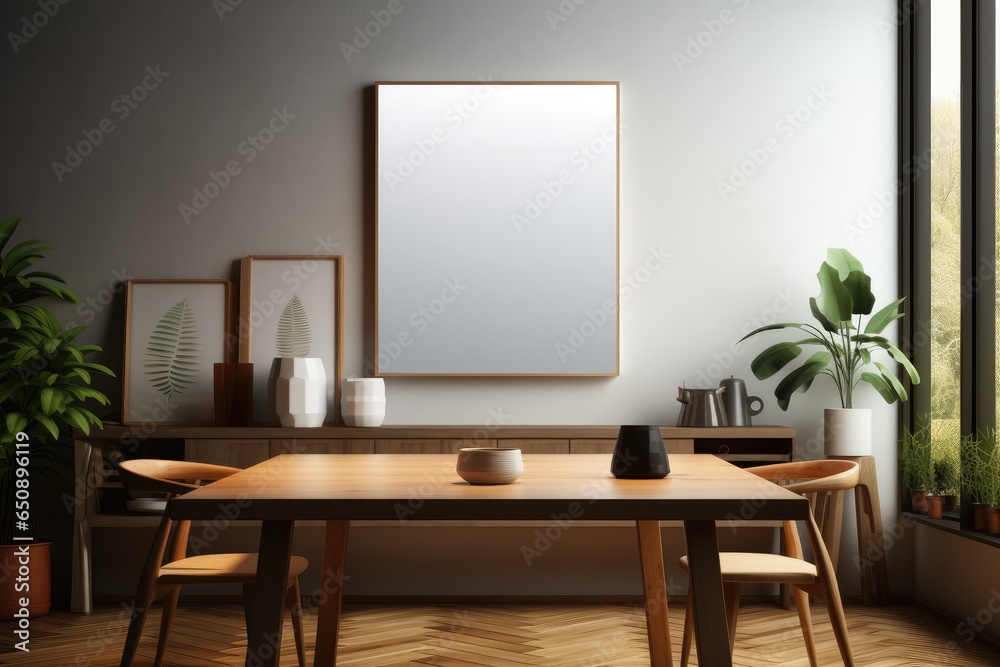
x,y
292,306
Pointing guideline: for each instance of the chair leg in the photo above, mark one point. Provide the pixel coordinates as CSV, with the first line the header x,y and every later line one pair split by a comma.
x,y
805,620
688,630
828,584
247,604
295,606
732,593
166,621
139,610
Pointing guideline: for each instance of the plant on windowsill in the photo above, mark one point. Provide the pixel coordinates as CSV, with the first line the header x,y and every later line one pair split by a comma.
x,y
981,476
845,351
945,485
915,455
44,386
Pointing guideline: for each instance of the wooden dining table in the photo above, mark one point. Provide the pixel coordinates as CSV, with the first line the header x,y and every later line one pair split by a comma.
x,y
700,490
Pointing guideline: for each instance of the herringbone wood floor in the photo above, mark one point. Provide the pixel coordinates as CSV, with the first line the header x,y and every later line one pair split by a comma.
x,y
497,635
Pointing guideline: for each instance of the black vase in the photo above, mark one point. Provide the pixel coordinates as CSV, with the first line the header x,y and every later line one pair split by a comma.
x,y
640,454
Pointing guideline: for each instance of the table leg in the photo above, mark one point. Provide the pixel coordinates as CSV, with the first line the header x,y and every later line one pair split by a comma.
x,y
654,590
264,636
332,581
711,627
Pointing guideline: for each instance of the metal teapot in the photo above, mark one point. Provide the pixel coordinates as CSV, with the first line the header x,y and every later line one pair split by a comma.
x,y
739,406
701,407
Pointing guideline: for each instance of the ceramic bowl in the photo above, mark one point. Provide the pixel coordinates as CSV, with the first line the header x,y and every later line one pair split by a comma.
x,y
489,465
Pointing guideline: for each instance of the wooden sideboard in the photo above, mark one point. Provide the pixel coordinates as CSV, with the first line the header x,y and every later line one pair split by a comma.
x,y
99,499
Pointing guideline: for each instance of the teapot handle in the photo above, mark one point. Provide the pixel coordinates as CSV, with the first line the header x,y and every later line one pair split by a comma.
x,y
760,405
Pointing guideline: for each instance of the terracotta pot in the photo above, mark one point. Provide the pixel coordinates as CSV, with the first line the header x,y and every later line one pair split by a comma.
x,y
950,503
934,506
979,517
918,500
993,520
38,580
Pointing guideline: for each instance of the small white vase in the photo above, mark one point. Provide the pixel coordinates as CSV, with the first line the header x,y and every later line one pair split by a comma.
x,y
296,391
847,431
363,401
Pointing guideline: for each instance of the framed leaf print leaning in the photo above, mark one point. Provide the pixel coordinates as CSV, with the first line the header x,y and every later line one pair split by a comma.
x,y
292,306
175,332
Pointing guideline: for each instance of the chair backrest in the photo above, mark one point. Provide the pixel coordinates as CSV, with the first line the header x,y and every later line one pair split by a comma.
x,y
824,483
173,478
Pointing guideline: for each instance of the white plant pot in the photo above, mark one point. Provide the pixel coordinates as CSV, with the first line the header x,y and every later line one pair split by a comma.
x,y
847,431
296,391
362,402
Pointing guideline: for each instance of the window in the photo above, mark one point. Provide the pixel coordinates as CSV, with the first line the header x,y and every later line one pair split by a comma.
x,y
948,127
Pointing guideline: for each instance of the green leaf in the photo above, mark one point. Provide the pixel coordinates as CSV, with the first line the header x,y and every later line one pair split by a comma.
x,y
294,337
880,320
47,422
12,316
820,317
859,285
801,377
866,356
772,327
47,400
172,352
74,418
7,229
834,301
893,351
16,422
896,385
880,385
773,359
843,261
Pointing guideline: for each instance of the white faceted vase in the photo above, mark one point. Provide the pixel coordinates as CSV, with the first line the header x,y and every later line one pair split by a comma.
x,y
847,431
363,401
296,391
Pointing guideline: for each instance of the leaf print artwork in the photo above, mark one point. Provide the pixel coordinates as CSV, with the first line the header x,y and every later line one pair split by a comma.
x,y
173,351
294,337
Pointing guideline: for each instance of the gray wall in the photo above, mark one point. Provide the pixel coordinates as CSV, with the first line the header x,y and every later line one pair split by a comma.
x,y
805,88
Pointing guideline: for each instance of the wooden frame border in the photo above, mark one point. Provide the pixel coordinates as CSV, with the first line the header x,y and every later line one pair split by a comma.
x,y
246,309
375,217
227,329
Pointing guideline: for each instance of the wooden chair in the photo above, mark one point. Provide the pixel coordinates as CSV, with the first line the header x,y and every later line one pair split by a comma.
x,y
164,580
822,478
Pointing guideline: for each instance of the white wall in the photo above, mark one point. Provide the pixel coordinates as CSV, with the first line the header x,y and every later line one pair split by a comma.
x,y
686,125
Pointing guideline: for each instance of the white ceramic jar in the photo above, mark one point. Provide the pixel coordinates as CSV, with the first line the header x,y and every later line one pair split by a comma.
x,y
362,402
296,391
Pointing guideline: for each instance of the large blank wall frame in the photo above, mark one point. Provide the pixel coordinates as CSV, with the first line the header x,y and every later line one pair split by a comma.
x,y
497,228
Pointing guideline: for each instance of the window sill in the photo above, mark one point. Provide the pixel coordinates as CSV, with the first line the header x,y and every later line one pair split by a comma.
x,y
952,526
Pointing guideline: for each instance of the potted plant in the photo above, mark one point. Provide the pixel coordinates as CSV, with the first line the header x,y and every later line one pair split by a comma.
x,y
945,484
979,473
44,387
844,343
915,455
